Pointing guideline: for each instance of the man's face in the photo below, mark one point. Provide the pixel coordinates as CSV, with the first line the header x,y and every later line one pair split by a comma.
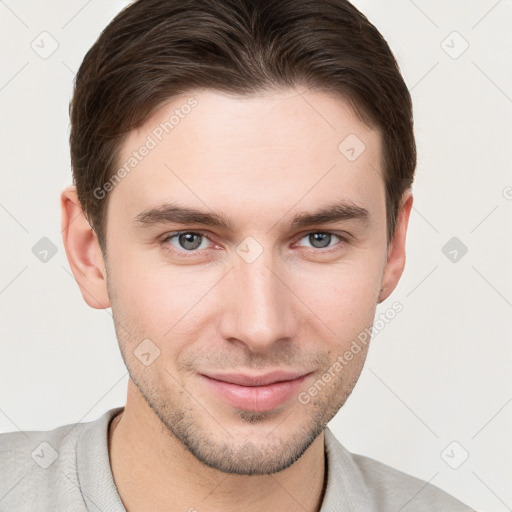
x,y
225,305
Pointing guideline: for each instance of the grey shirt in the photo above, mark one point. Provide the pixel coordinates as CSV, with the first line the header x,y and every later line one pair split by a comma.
x,y
68,469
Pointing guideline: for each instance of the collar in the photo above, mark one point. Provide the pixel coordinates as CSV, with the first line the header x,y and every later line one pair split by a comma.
x,y
344,490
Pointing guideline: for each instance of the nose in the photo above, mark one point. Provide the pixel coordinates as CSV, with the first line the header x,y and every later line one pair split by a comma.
x,y
257,306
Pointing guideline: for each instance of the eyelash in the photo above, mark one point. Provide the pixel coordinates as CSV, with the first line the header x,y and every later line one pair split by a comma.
x,y
193,253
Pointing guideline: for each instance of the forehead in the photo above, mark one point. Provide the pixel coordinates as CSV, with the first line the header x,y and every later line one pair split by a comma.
x,y
268,151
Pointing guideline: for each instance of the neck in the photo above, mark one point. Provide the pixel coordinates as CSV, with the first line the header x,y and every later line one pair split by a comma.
x,y
154,472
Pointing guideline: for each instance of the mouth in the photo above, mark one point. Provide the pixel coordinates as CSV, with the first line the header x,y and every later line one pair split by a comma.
x,y
258,393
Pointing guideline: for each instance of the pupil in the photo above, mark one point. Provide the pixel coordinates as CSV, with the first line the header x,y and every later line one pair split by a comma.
x,y
186,240
323,239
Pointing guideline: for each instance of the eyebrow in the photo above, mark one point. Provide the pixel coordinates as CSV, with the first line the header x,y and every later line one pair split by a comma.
x,y
170,213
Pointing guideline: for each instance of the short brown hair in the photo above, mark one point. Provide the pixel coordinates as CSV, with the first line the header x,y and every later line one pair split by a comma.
x,y
154,50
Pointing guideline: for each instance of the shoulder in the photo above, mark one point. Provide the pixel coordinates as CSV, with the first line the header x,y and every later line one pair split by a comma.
x,y
387,488
391,486
38,469
33,462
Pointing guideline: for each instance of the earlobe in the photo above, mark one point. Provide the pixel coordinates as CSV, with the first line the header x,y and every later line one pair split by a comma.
x,y
83,251
396,251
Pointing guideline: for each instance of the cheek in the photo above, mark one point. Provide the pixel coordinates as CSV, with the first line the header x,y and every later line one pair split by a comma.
x,y
159,300
166,301
344,296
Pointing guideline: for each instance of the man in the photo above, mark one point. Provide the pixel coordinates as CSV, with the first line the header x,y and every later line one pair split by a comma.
x,y
242,190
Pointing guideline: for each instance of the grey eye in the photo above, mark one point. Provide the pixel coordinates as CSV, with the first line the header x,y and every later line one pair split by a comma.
x,y
320,240
190,241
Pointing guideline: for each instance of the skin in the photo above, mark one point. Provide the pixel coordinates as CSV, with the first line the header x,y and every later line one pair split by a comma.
x,y
257,160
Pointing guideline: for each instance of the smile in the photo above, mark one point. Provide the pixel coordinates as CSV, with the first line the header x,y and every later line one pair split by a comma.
x,y
256,393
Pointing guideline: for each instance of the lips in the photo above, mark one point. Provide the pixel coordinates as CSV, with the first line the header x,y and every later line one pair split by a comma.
x,y
256,380
255,392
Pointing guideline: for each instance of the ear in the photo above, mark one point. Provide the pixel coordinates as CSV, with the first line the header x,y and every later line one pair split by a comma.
x,y
83,251
395,262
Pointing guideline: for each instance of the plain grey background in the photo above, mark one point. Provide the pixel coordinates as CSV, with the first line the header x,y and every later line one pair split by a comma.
x,y
434,399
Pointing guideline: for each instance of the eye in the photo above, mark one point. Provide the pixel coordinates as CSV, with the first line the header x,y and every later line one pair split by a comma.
x,y
186,241
192,242
321,239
